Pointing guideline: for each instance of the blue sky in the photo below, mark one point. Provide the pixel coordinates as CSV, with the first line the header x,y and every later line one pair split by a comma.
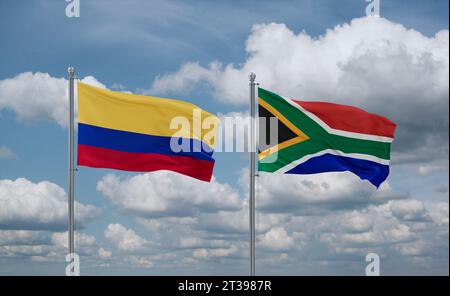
x,y
143,47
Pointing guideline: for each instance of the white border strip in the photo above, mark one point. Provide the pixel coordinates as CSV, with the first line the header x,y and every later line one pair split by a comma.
x,y
305,158
338,132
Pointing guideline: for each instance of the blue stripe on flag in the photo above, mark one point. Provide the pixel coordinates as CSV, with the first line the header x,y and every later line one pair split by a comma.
x,y
374,172
136,143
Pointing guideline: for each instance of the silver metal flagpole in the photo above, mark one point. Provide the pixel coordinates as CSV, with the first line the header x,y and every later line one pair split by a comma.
x,y
71,180
253,154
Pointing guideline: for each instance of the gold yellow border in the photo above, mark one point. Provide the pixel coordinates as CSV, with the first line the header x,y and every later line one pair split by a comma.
x,y
301,136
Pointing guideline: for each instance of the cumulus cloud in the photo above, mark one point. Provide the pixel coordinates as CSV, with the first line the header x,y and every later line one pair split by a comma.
x,y
408,230
325,218
331,229
25,205
24,250
325,67
39,96
186,77
309,221
23,237
346,237
415,248
124,239
409,210
371,62
277,239
43,246
429,169
214,253
237,223
60,239
140,261
174,209
332,217
439,212
104,254
312,194
167,194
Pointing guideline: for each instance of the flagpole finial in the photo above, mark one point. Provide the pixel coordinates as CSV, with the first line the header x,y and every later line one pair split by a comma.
x,y
71,71
252,77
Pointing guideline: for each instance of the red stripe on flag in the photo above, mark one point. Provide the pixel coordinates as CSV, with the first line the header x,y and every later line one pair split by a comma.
x,y
144,162
350,119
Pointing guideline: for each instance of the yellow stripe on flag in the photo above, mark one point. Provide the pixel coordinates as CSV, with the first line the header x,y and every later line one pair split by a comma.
x,y
141,114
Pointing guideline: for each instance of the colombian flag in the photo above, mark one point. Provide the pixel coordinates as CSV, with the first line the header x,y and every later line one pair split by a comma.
x,y
143,134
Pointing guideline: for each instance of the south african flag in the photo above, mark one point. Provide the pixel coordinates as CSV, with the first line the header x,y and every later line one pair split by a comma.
x,y
317,137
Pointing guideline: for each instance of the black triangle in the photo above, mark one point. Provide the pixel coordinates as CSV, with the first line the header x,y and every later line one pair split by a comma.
x,y
284,133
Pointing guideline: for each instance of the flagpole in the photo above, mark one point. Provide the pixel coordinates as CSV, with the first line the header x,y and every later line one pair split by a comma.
x,y
252,149
71,180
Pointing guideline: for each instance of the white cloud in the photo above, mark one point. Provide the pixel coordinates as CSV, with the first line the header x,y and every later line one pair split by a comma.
x,y
140,262
43,246
312,220
104,254
38,96
381,235
237,223
310,194
91,80
161,224
191,242
439,212
214,253
35,95
371,62
277,239
35,206
23,237
148,261
355,221
429,169
393,223
409,231
61,240
167,194
319,68
6,153
409,210
398,233
24,250
186,78
324,218
124,239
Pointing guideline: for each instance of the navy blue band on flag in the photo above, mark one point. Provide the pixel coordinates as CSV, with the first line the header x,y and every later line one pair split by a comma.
x,y
374,172
137,143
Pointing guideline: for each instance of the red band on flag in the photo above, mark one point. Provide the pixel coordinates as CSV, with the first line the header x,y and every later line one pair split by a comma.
x,y
350,119
144,162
